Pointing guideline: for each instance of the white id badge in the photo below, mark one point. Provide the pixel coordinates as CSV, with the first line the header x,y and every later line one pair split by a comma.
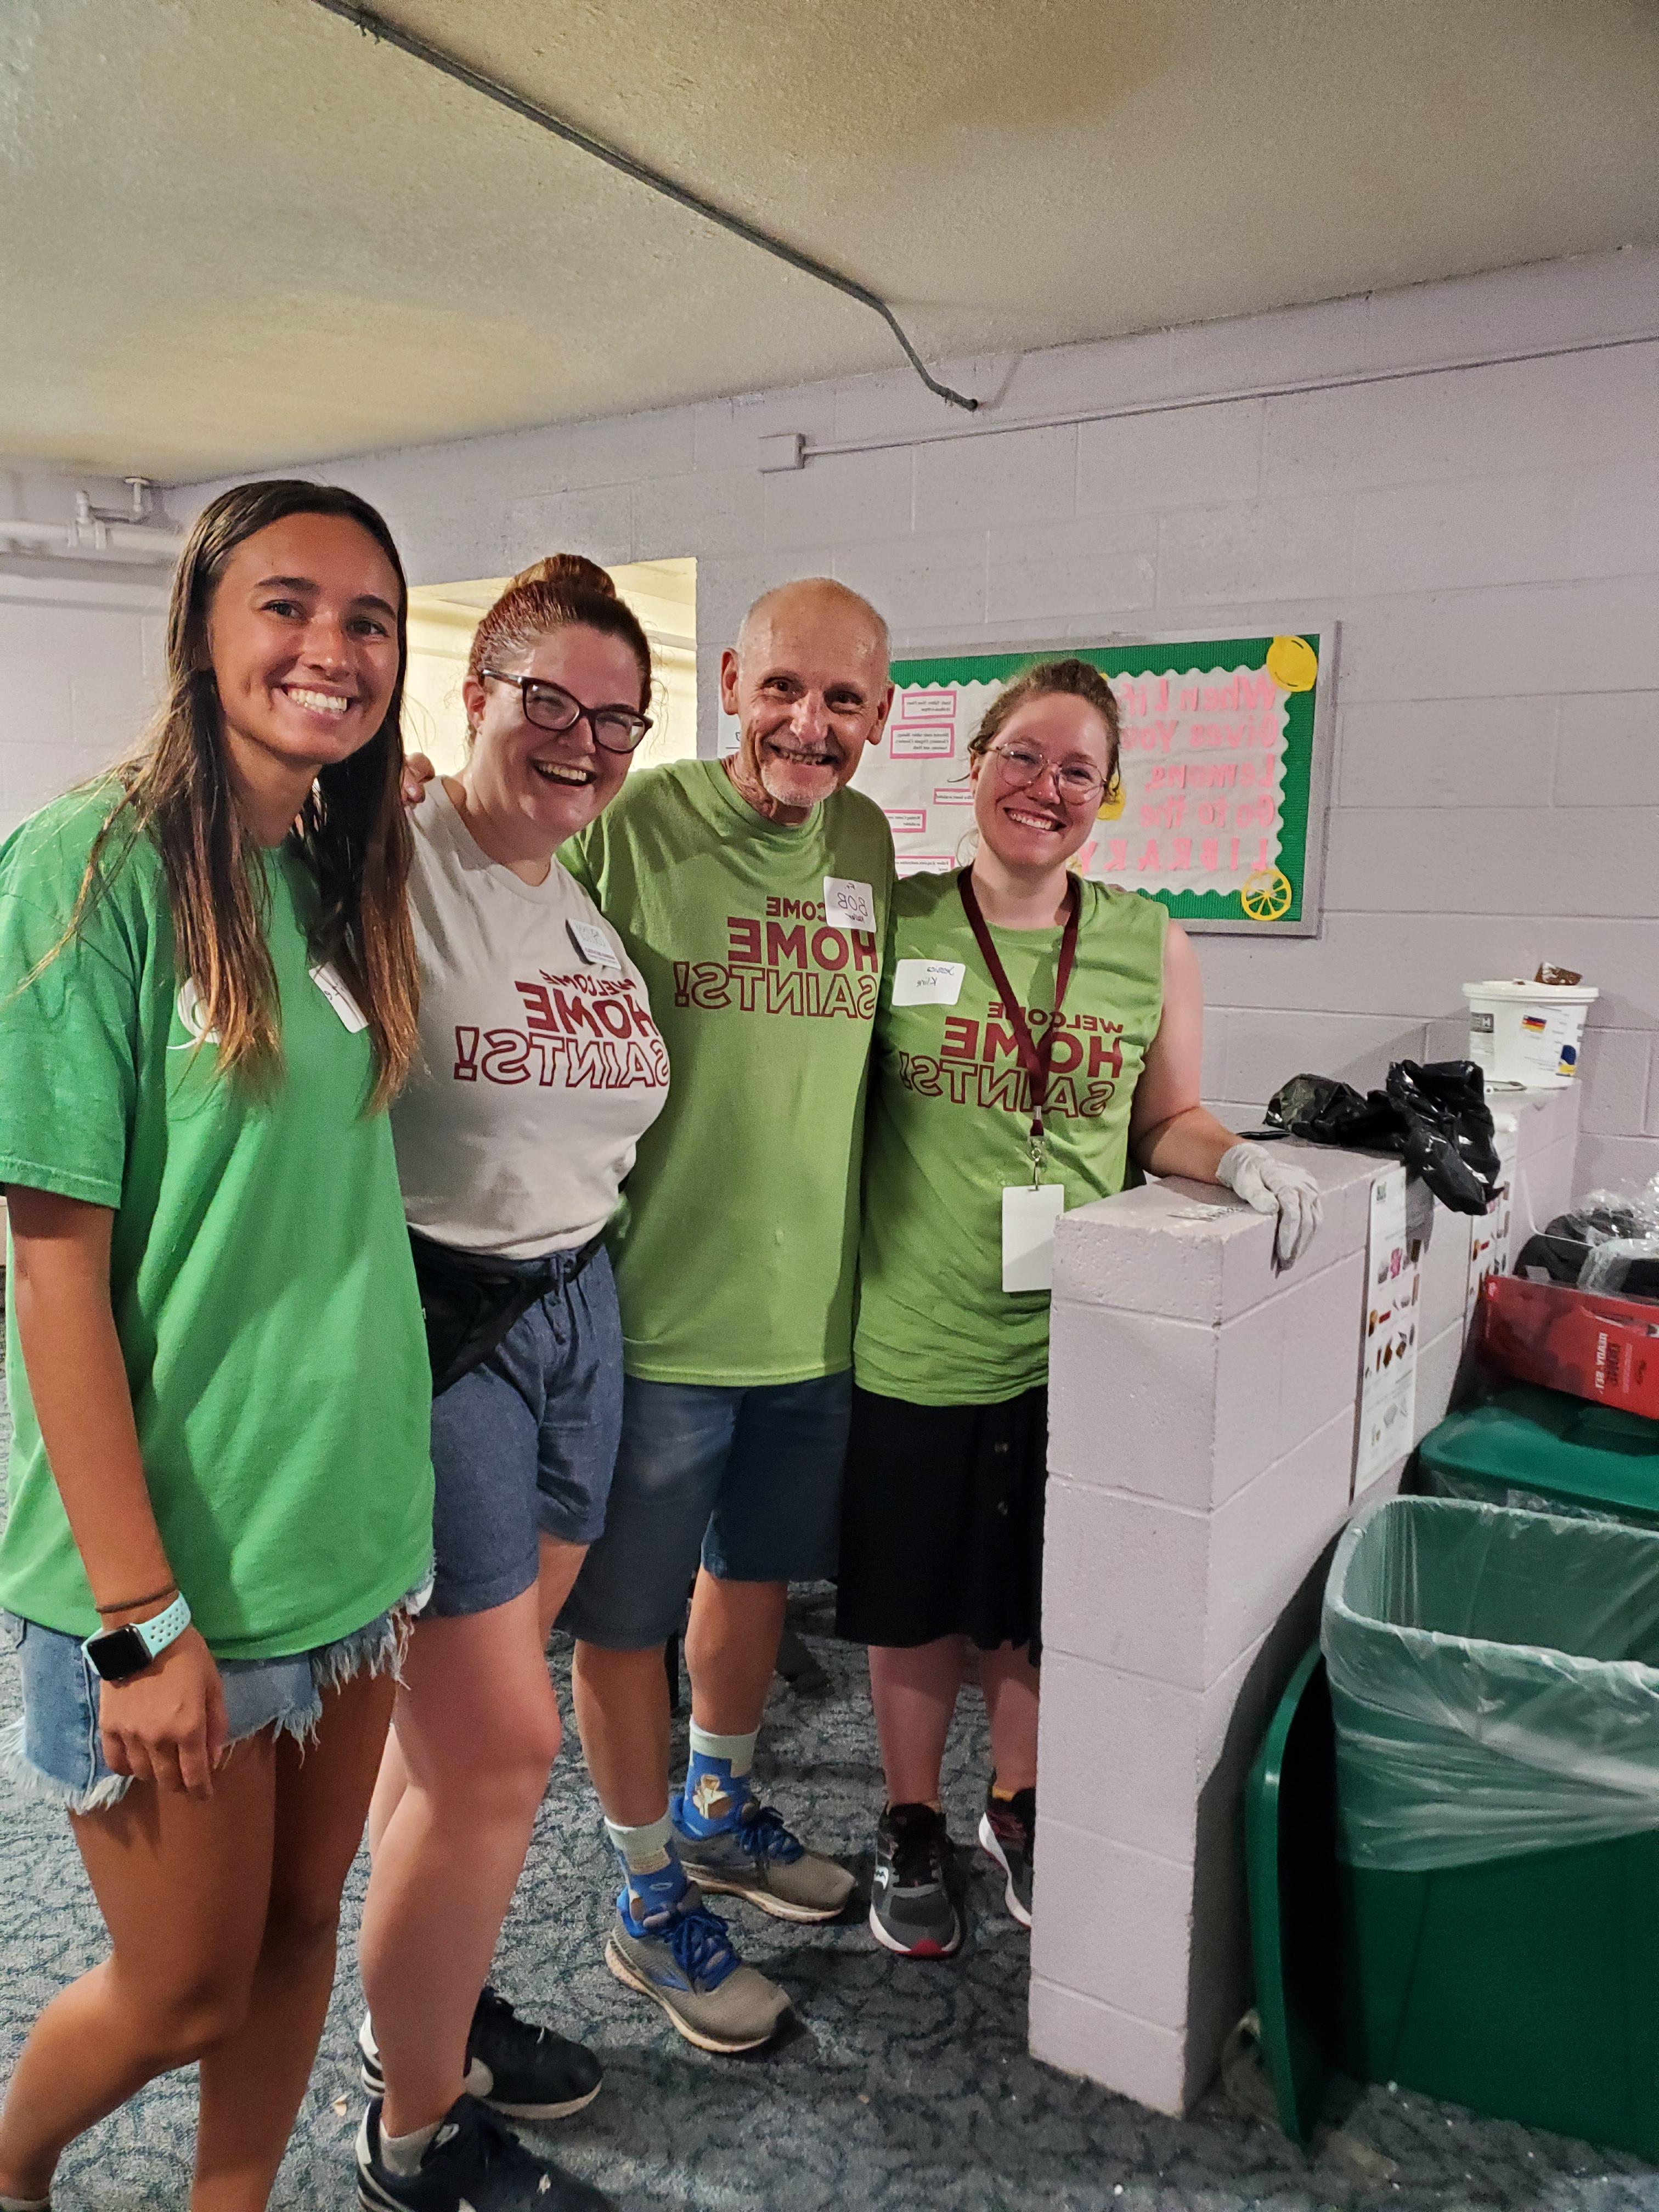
x,y
328,982
1027,1234
927,982
852,904
595,947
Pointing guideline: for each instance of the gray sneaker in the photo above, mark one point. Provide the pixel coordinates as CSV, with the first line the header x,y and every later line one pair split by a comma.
x,y
757,1858
683,1960
912,1910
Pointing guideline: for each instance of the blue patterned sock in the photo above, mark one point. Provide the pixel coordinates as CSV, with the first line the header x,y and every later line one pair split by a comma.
x,y
716,1782
653,1881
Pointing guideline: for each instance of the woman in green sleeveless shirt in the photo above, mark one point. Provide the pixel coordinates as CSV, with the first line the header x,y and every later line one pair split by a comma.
x,y
1035,1032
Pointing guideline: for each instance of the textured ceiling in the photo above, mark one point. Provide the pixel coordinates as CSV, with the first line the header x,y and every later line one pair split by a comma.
x,y
237,231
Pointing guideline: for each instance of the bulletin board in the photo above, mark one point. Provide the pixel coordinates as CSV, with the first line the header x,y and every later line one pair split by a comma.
x,y
1225,770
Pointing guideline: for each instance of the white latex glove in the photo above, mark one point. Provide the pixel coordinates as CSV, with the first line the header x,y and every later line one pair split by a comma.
x,y
1272,1186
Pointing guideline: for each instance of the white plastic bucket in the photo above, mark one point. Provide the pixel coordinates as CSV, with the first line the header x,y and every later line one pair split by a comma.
x,y
1528,1033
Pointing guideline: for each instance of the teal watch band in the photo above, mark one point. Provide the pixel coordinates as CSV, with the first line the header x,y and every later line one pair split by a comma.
x,y
165,1628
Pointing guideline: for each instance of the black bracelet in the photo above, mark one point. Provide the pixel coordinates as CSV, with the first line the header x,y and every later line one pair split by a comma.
x,y
130,1604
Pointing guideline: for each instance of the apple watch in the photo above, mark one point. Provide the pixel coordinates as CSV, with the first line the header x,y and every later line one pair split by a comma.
x,y
118,1653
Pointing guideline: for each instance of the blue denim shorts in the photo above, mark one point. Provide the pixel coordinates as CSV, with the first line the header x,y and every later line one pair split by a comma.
x,y
747,1479
524,1445
54,1750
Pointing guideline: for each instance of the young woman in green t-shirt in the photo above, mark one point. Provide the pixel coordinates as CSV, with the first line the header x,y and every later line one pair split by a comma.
x,y
1035,1032
220,1492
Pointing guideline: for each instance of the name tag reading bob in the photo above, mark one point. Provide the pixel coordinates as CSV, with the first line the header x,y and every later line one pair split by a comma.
x,y
852,904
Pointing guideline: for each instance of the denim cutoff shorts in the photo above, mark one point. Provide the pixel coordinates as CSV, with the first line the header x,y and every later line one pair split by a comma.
x,y
54,1750
526,1444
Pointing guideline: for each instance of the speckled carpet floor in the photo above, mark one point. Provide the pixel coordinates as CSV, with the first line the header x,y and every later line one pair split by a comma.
x,y
904,2086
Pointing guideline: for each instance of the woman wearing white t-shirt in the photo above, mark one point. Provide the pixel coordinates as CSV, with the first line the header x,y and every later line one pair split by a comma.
x,y
542,1067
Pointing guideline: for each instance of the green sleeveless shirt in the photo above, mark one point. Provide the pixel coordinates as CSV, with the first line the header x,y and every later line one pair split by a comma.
x,y
951,1114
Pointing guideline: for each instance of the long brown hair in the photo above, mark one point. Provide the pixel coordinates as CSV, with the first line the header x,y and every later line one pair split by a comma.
x,y
175,789
561,590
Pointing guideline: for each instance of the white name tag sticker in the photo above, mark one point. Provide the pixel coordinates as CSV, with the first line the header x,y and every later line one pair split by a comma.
x,y
852,904
595,946
1027,1234
927,982
328,982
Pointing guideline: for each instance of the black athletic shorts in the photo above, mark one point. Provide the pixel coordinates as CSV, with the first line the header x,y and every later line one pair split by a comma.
x,y
941,1530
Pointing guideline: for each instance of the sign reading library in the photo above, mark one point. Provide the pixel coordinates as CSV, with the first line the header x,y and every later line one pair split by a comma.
x,y
1225,749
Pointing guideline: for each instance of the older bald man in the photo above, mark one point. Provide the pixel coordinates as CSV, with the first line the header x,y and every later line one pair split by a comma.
x,y
752,893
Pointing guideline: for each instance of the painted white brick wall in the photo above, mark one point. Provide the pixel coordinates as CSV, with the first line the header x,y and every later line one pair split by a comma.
x,y
1489,540
80,650
1202,1451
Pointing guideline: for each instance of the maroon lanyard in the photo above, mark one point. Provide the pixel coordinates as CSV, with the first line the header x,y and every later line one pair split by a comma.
x,y
1035,1058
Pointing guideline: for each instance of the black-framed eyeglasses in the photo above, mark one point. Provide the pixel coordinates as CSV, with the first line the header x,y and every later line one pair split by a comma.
x,y
550,706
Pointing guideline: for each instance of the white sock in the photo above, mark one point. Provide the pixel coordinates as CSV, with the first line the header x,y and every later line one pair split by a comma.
x,y
402,2155
642,1851
25,2203
737,1751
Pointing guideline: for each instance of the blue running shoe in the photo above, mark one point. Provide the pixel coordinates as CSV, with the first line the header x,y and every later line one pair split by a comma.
x,y
757,1858
683,1960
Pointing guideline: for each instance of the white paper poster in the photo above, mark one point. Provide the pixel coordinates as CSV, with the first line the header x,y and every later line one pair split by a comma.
x,y
1387,1379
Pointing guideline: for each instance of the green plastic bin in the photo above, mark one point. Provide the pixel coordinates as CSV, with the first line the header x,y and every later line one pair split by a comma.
x,y
1494,1683
1542,1448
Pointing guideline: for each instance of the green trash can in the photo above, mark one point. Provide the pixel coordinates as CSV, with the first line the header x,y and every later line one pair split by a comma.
x,y
1542,1449
1494,1681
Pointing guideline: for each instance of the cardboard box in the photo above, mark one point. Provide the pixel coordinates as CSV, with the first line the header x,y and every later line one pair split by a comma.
x,y
1604,1349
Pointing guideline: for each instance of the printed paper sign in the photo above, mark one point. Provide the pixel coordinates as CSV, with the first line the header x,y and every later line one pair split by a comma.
x,y
852,904
1387,1379
931,864
906,821
1489,1246
953,794
595,947
922,740
331,984
927,982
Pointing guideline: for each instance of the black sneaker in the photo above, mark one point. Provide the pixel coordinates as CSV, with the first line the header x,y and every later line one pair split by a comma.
x,y
528,2073
1008,1831
473,2164
912,1910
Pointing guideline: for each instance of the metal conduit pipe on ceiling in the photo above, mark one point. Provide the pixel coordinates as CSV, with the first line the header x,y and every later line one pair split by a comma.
x,y
383,31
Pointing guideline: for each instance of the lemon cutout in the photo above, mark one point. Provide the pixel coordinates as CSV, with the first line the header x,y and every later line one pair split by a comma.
x,y
1266,896
1292,664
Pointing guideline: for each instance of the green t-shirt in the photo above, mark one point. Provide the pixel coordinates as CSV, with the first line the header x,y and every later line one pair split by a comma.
x,y
735,1252
259,1267
950,1121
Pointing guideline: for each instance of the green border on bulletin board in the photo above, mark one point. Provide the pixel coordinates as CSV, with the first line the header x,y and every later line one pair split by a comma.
x,y
1299,825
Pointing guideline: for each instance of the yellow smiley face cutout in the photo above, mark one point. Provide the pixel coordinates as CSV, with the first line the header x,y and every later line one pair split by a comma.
x,y
1292,664
1266,896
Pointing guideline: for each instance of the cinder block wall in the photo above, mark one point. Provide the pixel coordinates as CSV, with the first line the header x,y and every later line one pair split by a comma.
x,y
1488,539
80,649
1201,1458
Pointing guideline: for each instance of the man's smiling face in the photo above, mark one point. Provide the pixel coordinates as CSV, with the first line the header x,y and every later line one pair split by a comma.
x,y
808,683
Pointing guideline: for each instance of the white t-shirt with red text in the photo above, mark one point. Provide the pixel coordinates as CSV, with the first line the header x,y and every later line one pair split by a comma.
x,y
540,1065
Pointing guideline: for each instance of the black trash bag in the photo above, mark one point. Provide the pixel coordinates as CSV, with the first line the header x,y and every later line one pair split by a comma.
x,y
1436,1119
1561,1253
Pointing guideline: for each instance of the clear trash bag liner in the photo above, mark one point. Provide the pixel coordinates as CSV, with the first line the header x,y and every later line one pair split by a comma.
x,y
1495,1679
